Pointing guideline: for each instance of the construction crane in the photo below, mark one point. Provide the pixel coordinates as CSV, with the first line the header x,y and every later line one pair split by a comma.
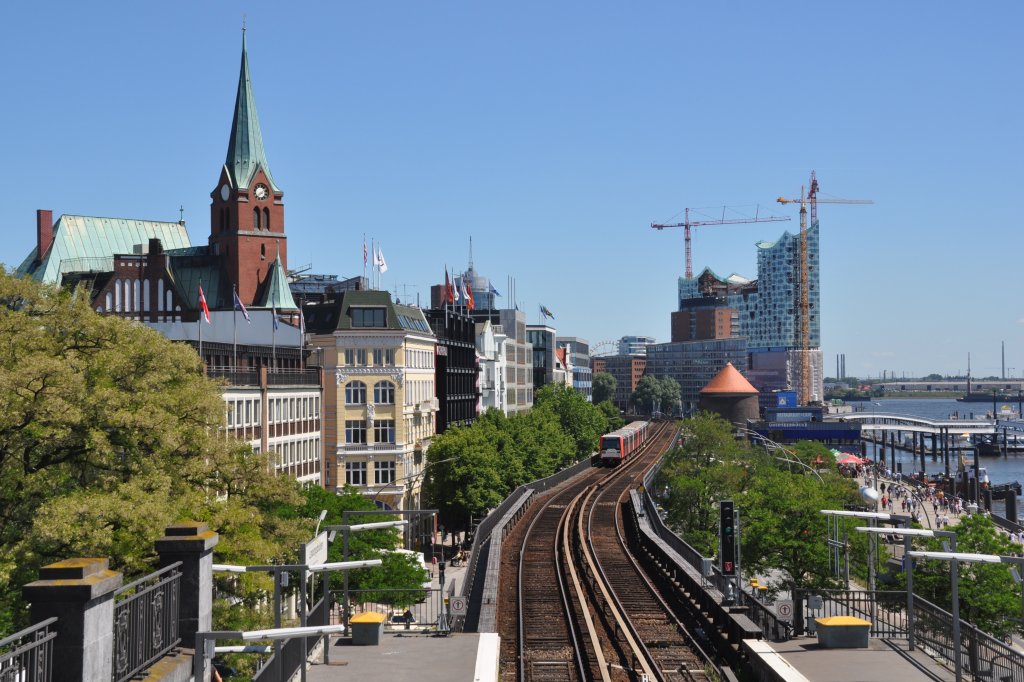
x,y
687,224
809,197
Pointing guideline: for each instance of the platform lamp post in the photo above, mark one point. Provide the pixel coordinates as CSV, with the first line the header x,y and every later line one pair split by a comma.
x,y
954,558
872,518
908,535
345,531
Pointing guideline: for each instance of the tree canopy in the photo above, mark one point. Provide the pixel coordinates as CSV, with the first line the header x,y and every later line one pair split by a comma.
x,y
108,433
603,387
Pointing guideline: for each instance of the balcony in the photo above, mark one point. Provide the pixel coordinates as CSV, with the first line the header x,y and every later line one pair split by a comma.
x,y
371,448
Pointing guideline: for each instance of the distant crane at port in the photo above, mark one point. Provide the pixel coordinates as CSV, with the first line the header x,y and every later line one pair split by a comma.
x,y
811,198
687,224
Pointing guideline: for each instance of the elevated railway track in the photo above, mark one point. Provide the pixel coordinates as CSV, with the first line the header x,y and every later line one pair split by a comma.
x,y
575,604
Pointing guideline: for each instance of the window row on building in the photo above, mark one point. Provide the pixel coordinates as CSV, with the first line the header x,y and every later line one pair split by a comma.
x,y
383,393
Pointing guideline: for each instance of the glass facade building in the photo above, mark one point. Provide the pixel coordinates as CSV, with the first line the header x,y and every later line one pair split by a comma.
x,y
695,363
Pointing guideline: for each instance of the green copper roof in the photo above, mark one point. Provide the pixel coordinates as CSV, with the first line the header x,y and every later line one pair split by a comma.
x,y
187,279
275,290
83,244
245,148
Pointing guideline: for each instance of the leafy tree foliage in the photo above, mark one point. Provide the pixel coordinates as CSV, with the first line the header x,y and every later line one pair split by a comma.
x,y
989,598
108,433
647,395
783,531
470,470
603,387
578,418
612,416
671,394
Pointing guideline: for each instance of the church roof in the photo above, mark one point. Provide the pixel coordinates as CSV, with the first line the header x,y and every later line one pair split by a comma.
x,y
85,243
245,148
729,381
276,293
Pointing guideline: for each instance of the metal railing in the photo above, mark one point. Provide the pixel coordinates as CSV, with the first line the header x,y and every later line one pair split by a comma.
x,y
423,616
885,609
981,655
27,656
146,621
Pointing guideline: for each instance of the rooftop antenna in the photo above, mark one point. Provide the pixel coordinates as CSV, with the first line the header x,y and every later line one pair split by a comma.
x,y
181,215
471,253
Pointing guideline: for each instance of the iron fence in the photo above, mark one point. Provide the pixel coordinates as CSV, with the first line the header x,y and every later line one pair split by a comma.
x,y
146,621
27,656
422,616
981,655
885,609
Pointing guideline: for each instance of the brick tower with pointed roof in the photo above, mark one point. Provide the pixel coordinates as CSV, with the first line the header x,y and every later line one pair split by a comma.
x,y
731,396
247,211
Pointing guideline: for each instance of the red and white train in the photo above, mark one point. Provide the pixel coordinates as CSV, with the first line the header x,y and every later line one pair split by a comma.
x,y
619,445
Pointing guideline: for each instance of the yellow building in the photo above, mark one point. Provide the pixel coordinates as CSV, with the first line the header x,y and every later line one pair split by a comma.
x,y
379,398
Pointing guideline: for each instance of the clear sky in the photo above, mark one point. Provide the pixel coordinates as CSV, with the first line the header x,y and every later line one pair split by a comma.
x,y
553,134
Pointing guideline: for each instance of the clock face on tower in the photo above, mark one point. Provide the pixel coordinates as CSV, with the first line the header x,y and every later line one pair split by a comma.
x,y
261,192
224,193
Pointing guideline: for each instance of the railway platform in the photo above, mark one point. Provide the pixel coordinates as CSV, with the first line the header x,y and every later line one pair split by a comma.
x,y
802,660
406,655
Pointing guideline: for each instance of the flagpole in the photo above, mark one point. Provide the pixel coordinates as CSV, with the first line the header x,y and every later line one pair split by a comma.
x,y
199,321
364,255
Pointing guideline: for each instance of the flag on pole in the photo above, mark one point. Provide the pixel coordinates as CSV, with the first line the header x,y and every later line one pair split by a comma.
x,y
379,260
455,290
494,291
364,251
470,301
462,289
273,313
241,306
302,322
203,306
449,292
545,312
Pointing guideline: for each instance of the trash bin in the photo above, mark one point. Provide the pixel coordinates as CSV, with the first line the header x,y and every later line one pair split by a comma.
x,y
367,628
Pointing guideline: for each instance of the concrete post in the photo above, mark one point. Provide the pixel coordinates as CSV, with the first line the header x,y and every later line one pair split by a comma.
x,y
192,544
80,593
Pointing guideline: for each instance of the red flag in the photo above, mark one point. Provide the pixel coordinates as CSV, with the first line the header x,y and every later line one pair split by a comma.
x,y
449,292
202,305
364,251
470,301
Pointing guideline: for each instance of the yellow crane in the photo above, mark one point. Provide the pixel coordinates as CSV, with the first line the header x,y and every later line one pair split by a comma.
x,y
809,197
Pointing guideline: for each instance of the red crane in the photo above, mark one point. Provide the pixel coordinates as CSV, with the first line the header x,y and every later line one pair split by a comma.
x,y
687,224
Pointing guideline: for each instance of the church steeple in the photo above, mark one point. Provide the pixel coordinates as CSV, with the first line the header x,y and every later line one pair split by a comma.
x,y
245,148
247,211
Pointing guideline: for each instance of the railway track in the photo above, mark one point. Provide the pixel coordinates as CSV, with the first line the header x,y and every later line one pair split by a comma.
x,y
580,607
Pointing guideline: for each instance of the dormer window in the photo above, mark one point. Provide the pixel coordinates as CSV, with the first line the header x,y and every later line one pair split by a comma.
x,y
368,317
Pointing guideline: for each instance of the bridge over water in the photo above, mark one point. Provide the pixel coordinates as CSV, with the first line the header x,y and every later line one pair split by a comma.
x,y
880,421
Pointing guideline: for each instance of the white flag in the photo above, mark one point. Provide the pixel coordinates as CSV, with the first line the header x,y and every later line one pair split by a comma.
x,y
456,296
380,260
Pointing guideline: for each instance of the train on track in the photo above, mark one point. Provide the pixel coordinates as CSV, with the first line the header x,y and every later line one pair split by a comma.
x,y
618,446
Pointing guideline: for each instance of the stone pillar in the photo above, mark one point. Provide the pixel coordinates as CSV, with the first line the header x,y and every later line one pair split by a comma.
x,y
80,593
192,544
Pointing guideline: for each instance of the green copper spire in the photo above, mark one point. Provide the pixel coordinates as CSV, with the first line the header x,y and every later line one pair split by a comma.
x,y
245,148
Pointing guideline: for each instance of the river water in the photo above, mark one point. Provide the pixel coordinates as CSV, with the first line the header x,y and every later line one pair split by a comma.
x,y
1000,469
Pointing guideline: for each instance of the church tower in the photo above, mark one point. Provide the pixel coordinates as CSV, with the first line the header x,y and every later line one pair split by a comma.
x,y
247,211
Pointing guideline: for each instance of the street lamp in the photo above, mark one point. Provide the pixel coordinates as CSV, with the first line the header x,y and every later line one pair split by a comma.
x,y
908,535
954,558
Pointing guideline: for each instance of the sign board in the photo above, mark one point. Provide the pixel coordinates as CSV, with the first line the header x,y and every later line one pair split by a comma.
x,y
315,551
815,602
459,606
784,607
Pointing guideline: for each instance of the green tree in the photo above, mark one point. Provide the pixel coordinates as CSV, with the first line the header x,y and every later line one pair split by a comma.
x,y
579,419
671,394
989,598
463,476
109,432
648,394
604,387
611,415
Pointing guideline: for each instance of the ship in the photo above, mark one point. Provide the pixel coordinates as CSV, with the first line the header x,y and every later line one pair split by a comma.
x,y
989,398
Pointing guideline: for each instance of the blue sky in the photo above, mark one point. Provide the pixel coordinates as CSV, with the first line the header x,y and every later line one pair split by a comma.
x,y
554,134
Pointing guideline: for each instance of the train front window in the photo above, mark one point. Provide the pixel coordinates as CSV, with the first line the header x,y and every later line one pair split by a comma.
x,y
609,443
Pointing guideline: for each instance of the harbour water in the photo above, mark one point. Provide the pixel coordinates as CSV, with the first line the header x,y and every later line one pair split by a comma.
x,y
1000,469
